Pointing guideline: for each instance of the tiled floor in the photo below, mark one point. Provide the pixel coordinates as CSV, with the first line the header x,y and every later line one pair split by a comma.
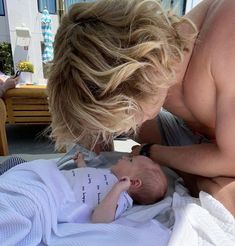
x,y
29,139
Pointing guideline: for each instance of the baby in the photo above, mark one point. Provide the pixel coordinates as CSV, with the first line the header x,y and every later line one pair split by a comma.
x,y
106,193
112,191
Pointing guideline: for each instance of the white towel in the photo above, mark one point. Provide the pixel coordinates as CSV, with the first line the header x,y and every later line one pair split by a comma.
x,y
34,195
202,221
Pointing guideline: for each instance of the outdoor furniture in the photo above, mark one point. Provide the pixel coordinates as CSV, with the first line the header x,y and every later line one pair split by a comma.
x,y
3,138
23,105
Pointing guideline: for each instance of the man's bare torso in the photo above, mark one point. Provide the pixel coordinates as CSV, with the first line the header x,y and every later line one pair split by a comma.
x,y
204,96
197,93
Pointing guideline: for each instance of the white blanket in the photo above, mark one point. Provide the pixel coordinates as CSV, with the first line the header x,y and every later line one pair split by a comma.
x,y
34,195
202,221
33,198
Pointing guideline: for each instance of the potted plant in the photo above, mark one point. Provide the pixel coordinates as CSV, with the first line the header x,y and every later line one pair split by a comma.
x,y
27,69
6,61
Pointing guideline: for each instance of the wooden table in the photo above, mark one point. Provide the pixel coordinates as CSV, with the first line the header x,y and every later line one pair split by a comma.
x,y
23,105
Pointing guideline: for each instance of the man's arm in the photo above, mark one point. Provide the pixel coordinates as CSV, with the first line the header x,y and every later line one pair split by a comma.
x,y
211,160
105,211
208,160
201,159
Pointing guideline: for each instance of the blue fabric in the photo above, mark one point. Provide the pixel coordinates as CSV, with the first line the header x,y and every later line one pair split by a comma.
x,y
2,12
9,163
174,131
47,37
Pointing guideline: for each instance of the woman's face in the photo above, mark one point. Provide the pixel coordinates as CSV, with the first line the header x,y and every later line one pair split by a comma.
x,y
152,107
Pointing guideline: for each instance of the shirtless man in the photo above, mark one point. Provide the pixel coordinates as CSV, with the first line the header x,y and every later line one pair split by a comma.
x,y
204,97
113,70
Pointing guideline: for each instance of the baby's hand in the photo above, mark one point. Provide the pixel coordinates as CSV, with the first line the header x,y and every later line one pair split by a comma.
x,y
78,156
79,159
124,183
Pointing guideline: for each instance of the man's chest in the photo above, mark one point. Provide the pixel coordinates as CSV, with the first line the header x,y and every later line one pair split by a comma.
x,y
195,99
199,97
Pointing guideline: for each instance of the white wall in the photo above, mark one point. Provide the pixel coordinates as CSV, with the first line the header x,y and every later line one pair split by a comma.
x,y
4,29
25,13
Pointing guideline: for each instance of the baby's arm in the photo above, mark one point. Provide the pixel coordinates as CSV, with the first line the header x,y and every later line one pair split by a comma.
x,y
79,160
105,211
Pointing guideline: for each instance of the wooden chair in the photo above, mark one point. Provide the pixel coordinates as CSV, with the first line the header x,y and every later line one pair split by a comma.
x,y
3,137
22,106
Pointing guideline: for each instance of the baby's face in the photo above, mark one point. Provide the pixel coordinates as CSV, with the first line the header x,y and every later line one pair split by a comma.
x,y
128,166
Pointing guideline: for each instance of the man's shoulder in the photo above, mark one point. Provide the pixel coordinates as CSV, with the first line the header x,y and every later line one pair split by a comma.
x,y
218,25
216,39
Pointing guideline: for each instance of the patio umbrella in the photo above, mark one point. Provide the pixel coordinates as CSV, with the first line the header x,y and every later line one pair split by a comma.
x,y
47,36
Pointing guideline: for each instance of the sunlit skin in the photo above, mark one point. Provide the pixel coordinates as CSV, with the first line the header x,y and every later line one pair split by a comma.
x,y
204,97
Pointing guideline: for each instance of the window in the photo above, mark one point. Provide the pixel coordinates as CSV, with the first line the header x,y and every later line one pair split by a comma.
x,y
49,4
178,5
67,3
2,11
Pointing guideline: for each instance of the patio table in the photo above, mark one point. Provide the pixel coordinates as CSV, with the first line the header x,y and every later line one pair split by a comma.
x,y
23,105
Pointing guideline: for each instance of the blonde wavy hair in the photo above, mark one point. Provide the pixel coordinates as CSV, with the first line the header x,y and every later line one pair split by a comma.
x,y
109,56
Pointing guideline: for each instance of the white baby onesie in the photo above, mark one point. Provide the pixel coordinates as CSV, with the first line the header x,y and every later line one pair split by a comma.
x,y
91,185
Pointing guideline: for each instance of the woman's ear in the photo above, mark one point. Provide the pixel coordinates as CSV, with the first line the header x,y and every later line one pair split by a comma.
x,y
136,182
